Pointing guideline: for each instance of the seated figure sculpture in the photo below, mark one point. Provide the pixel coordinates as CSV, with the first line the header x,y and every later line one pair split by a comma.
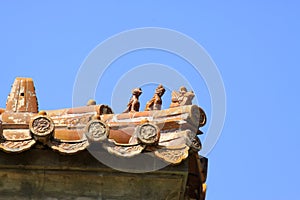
x,y
156,101
182,98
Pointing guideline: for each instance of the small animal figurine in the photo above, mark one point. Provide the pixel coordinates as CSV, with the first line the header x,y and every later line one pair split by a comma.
x,y
134,104
156,101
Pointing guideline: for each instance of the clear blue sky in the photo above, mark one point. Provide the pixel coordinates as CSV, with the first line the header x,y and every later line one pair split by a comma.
x,y
255,45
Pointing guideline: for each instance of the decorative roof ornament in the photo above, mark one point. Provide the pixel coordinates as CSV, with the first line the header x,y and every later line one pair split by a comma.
x,y
134,104
156,101
182,97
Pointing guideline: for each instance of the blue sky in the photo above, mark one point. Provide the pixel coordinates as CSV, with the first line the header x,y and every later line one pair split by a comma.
x,y
255,45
